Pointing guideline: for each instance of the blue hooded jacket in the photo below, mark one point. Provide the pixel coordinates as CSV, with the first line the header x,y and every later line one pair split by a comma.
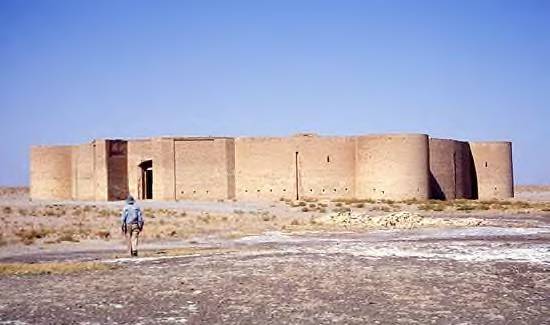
x,y
131,214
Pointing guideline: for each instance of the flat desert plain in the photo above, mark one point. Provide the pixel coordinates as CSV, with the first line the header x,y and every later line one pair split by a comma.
x,y
284,262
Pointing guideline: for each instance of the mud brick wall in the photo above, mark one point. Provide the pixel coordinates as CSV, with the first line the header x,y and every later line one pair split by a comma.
x,y
164,187
493,169
51,172
202,168
451,170
326,166
84,172
393,167
265,168
90,179
139,151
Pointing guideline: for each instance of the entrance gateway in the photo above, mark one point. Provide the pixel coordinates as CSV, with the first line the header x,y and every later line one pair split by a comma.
x,y
146,186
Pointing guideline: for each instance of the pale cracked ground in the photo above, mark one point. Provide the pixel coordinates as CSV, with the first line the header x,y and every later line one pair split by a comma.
x,y
481,275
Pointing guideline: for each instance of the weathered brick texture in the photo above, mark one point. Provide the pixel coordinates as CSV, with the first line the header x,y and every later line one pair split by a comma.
x,y
393,167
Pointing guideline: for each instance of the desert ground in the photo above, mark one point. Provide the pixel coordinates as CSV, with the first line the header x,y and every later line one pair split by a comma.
x,y
284,262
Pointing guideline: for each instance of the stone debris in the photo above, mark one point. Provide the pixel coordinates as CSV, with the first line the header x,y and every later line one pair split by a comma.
x,y
397,220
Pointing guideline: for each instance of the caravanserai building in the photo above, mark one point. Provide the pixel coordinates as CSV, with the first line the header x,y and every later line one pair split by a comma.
x,y
393,166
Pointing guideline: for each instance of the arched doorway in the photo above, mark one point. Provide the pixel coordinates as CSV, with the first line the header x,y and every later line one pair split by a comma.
x,y
146,185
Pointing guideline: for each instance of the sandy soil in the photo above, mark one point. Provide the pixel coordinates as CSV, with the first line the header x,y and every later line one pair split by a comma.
x,y
246,262
464,276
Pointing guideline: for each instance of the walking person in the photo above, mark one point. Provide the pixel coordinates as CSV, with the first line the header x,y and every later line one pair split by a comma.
x,y
132,224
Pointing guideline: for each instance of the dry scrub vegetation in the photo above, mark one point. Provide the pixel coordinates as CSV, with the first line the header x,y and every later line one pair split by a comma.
x,y
51,268
57,223
344,204
494,205
45,224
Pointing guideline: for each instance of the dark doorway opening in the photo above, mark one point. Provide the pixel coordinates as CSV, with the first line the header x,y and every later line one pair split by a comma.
x,y
146,180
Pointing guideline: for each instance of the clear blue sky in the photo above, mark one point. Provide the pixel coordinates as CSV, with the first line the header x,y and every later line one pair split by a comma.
x,y
71,71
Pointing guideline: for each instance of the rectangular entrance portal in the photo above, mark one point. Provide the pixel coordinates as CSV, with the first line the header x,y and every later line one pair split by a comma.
x,y
146,180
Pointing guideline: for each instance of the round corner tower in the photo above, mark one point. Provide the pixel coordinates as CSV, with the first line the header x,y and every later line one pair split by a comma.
x,y
392,166
493,169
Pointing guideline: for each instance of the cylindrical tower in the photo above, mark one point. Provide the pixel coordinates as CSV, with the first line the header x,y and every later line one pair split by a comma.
x,y
493,169
392,167
450,170
51,172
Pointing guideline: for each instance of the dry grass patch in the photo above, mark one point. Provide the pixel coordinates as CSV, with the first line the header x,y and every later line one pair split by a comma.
x,y
432,207
68,237
321,209
380,208
410,201
500,205
28,236
103,234
465,207
106,213
51,268
349,201
474,205
340,209
311,199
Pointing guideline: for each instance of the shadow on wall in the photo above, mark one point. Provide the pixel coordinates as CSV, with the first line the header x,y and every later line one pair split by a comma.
x,y
473,173
435,189
465,181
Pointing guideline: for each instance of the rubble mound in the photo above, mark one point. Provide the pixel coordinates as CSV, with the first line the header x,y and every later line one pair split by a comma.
x,y
397,220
